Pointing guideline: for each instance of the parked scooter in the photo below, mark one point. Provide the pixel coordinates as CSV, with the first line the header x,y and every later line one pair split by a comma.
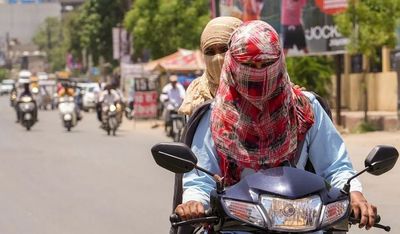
x,y
110,118
129,111
274,200
27,110
68,113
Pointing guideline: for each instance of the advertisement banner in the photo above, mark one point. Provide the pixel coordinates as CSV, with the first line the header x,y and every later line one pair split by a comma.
x,y
145,104
121,44
305,26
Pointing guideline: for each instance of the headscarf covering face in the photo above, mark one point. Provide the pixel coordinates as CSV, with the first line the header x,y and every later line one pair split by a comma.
x,y
258,117
216,32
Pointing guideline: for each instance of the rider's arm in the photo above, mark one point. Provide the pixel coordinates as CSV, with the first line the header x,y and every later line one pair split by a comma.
x,y
196,184
327,151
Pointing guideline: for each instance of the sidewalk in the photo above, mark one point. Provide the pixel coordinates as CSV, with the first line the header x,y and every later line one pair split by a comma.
x,y
381,120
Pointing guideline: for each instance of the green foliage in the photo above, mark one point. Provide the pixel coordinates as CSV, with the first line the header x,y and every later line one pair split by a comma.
x,y
72,34
95,22
49,38
370,24
364,127
312,73
4,74
162,26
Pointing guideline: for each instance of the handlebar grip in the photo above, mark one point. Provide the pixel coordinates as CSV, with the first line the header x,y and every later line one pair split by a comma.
x,y
174,218
377,218
208,212
357,220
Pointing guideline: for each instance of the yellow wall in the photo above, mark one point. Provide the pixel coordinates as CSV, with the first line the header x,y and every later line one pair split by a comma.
x,y
382,92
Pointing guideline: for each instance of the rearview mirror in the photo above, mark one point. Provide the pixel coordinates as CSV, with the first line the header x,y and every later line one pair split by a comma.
x,y
381,159
175,157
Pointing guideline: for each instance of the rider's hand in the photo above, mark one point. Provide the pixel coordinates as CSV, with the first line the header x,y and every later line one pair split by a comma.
x,y
362,209
190,210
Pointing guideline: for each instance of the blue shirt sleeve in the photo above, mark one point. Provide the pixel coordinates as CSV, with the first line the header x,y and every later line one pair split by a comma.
x,y
323,146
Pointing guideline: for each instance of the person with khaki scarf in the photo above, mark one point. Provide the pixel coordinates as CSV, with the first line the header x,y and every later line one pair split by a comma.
x,y
213,44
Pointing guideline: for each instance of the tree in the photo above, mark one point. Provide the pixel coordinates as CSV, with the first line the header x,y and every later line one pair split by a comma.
x,y
72,34
96,20
312,73
49,39
370,25
162,26
4,74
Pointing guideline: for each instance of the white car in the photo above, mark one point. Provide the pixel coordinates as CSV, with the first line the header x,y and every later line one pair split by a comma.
x,y
6,86
90,93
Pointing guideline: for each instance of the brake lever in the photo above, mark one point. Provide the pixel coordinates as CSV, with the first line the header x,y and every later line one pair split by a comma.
x,y
353,220
210,219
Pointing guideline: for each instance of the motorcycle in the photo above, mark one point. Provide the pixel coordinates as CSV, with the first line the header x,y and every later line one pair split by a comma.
x,y
67,110
129,111
175,122
27,108
275,200
110,118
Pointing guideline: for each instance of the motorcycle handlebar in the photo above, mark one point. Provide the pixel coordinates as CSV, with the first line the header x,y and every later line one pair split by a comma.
x,y
353,220
177,221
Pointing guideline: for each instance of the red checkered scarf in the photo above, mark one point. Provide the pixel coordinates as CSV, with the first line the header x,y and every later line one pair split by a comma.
x,y
258,117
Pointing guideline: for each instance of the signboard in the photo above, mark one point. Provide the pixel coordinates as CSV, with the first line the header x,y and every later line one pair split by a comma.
x,y
146,98
145,104
121,44
305,26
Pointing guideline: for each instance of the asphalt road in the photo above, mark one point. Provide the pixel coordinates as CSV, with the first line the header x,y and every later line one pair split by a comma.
x,y
80,182
83,181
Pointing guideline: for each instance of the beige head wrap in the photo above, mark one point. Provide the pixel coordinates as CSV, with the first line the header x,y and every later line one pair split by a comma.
x,y
217,31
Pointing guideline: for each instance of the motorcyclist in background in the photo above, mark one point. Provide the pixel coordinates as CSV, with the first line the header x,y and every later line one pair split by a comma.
x,y
66,90
172,97
26,92
108,96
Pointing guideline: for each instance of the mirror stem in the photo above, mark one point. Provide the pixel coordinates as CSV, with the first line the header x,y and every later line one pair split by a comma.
x,y
218,179
346,187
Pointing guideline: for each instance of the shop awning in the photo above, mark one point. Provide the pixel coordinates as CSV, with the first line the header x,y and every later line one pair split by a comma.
x,y
181,61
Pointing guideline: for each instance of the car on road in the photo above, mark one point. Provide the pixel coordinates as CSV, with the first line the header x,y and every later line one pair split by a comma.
x,y
90,92
6,86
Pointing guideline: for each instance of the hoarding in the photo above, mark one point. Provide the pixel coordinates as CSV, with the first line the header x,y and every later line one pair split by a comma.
x,y
146,97
305,26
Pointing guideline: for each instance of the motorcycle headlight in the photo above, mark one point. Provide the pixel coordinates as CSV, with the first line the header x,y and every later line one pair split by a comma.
x,y
246,212
26,99
67,117
292,215
334,211
112,108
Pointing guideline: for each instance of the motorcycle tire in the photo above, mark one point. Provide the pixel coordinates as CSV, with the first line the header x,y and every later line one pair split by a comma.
x,y
28,128
68,129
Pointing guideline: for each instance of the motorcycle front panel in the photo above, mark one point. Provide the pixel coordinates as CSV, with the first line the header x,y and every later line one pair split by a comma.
x,y
287,182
